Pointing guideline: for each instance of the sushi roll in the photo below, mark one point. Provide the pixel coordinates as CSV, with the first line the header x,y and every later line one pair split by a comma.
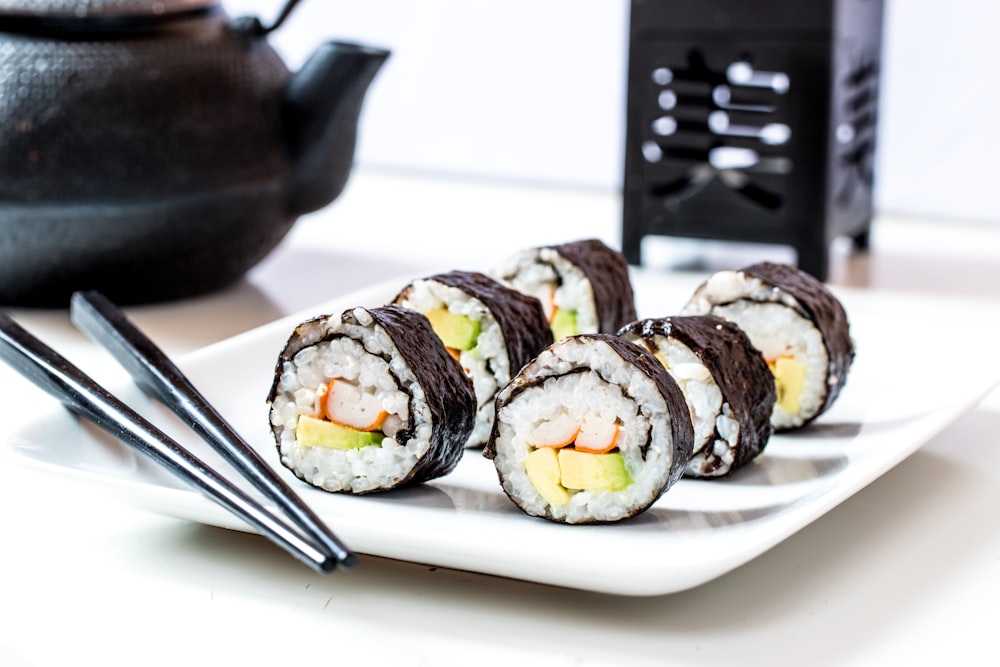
x,y
584,286
491,329
796,322
369,400
593,430
726,381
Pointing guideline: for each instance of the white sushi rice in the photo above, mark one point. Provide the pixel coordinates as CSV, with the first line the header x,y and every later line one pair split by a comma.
x,y
487,363
703,396
716,432
541,272
608,387
718,459
360,357
774,322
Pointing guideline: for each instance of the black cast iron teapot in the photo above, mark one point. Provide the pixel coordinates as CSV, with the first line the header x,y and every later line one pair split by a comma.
x,y
158,149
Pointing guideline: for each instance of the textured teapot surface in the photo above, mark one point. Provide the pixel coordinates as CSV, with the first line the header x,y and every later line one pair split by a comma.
x,y
181,106
144,148
103,8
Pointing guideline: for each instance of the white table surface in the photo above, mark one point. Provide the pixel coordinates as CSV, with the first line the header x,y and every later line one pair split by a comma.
x,y
905,572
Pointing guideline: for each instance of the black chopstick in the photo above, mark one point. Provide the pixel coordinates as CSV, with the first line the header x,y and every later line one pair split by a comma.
x,y
160,378
82,395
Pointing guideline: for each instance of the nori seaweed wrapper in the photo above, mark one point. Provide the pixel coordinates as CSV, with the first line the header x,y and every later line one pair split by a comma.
x,y
738,368
448,391
681,430
522,320
608,273
826,313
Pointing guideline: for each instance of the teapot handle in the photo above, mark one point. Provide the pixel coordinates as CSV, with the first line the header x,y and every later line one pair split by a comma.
x,y
252,27
285,11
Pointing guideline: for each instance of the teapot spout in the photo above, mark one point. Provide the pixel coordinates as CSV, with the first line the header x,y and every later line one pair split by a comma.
x,y
320,111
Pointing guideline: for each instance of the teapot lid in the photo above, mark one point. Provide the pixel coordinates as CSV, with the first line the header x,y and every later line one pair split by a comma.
x,y
99,9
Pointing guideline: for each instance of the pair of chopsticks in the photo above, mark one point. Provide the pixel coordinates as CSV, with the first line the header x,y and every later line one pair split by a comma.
x,y
158,377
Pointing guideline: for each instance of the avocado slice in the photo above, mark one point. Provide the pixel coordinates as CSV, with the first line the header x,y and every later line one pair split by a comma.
x,y
456,331
585,471
312,432
564,323
542,467
789,380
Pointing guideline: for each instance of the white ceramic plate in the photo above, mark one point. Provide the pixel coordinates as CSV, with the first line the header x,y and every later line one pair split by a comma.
x,y
909,381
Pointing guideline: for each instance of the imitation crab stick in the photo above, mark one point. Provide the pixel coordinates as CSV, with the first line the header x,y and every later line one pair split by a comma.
x,y
592,434
347,404
597,436
546,295
557,432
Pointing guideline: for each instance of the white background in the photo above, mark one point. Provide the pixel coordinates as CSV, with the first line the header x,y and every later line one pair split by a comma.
x,y
534,90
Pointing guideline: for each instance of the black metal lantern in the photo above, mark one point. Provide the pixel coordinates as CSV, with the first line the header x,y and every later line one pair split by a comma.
x,y
753,122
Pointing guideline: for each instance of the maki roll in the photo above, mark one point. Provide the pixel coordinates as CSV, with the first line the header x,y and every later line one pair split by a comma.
x,y
727,384
369,400
491,329
593,430
799,326
584,286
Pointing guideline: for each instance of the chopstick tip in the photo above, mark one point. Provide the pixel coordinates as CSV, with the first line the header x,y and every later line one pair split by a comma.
x,y
348,561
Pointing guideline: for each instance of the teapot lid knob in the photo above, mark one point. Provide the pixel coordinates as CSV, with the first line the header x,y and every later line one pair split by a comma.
x,y
251,26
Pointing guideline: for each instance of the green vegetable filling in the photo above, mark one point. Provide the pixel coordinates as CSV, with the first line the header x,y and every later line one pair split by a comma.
x,y
557,472
564,323
456,331
313,432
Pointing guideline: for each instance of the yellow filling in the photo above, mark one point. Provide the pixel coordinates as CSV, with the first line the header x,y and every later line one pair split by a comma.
x,y
313,432
789,380
557,472
563,323
457,332
542,466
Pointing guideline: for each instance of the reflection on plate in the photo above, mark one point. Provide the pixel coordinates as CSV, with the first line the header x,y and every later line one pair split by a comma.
x,y
897,397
